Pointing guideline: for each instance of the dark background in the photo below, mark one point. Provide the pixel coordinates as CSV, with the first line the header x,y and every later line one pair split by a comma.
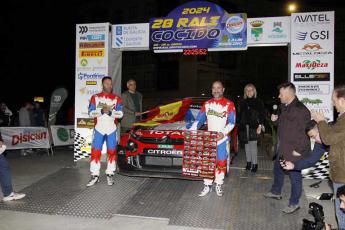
x,y
38,41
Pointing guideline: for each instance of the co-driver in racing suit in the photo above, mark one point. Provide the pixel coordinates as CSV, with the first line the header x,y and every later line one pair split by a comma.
x,y
105,108
220,115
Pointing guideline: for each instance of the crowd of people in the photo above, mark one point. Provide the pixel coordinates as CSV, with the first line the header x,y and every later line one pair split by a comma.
x,y
296,126
29,115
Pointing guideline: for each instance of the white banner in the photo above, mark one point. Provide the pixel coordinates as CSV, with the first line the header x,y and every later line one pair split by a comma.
x,y
25,137
312,59
268,31
92,51
131,36
62,134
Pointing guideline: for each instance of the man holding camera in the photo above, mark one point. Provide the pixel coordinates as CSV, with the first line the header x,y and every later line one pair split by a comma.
x,y
293,144
334,136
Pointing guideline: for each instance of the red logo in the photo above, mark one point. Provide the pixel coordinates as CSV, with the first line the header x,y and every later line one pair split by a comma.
x,y
27,137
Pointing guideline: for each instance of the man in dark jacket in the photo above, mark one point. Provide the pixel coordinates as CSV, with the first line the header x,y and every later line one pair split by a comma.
x,y
132,106
293,144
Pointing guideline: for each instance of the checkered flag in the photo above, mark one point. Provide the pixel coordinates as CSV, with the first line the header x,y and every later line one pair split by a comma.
x,y
79,143
320,170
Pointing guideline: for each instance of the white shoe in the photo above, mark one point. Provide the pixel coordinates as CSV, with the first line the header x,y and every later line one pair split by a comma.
x,y
110,179
93,180
219,190
205,191
14,196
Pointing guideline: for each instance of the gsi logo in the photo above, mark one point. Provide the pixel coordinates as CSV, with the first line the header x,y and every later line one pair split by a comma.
x,y
314,35
57,98
83,29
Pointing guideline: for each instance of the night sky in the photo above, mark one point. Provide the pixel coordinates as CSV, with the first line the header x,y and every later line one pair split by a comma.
x,y
38,39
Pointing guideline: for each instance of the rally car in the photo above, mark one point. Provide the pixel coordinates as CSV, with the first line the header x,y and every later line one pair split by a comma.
x,y
155,151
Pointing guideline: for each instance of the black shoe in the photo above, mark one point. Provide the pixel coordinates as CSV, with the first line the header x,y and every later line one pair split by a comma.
x,y
249,166
254,168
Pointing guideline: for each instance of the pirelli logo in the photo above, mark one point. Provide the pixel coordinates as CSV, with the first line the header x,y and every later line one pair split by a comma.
x,y
91,45
91,53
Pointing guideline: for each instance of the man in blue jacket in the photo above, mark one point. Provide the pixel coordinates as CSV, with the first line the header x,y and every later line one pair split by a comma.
x,y
5,178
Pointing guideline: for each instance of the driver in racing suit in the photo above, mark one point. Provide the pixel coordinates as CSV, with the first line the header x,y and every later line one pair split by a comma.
x,y
220,115
105,108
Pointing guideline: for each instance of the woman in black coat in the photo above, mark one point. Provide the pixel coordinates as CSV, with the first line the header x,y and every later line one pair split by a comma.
x,y
251,119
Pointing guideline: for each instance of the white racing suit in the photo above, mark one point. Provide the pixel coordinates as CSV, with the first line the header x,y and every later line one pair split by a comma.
x,y
220,116
105,130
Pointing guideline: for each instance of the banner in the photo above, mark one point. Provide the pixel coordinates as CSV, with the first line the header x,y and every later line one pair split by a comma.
x,y
25,137
169,113
62,134
92,51
57,99
312,59
198,25
131,36
268,31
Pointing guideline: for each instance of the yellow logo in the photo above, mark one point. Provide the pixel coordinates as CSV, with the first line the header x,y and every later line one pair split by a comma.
x,y
91,53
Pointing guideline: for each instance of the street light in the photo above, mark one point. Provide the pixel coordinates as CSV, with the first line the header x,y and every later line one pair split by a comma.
x,y
292,7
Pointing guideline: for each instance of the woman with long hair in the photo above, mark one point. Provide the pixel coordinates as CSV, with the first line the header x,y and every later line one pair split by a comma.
x,y
251,119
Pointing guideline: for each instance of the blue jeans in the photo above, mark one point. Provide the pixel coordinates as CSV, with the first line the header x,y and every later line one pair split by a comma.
x,y
338,212
5,176
295,180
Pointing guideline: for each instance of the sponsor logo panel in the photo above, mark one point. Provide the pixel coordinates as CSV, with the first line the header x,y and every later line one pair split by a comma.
x,y
311,76
313,89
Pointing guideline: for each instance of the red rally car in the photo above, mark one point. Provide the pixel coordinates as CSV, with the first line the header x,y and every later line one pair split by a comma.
x,y
156,151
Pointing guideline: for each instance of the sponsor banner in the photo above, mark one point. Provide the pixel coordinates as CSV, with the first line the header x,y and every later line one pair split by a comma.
x,y
57,99
131,36
25,137
62,134
313,89
312,59
199,25
311,77
91,45
88,123
272,30
92,51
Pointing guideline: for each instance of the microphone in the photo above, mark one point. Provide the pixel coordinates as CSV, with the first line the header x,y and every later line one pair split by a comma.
x,y
275,109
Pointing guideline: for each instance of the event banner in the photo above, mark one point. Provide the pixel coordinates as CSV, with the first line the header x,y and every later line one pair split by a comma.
x,y
268,31
57,99
25,137
62,134
131,36
199,25
92,49
312,59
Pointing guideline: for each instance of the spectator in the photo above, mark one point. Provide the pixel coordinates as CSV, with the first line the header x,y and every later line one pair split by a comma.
x,y
5,115
5,179
341,196
25,115
25,120
251,119
38,117
334,136
293,144
132,106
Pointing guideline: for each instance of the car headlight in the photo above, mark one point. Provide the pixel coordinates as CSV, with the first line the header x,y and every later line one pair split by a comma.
x,y
131,146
